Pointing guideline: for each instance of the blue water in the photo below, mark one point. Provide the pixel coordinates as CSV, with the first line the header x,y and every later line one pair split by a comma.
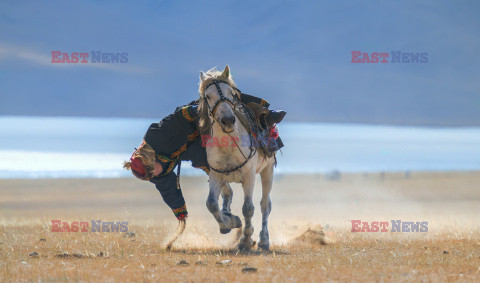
x,y
39,147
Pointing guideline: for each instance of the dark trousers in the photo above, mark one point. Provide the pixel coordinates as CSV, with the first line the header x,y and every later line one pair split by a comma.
x,y
167,184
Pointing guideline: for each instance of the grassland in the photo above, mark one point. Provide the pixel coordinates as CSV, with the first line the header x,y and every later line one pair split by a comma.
x,y
449,251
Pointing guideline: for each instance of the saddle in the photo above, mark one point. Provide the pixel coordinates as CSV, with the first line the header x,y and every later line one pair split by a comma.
x,y
267,136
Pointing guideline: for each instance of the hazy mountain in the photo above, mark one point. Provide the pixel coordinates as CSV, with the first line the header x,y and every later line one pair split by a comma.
x,y
295,54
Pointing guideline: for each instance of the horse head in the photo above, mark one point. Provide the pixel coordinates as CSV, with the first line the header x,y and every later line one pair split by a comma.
x,y
218,96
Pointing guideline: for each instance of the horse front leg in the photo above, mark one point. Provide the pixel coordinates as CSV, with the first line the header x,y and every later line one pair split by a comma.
x,y
226,221
266,205
227,194
246,242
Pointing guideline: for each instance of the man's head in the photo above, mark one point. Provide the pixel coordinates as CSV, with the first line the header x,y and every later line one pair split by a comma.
x,y
143,162
137,167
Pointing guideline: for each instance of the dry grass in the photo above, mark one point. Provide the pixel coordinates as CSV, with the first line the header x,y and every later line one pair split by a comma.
x,y
450,251
115,257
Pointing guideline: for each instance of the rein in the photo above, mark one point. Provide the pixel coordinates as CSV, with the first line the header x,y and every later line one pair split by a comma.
x,y
247,124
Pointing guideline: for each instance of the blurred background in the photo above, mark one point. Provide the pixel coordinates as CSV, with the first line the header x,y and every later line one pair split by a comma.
x,y
83,120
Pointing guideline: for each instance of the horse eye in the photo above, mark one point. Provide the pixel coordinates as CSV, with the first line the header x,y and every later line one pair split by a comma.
x,y
207,96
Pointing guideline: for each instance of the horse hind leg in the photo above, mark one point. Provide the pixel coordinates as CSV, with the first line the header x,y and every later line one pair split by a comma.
x,y
226,221
266,206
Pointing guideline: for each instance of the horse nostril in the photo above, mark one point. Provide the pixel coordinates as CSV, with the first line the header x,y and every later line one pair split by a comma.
x,y
228,121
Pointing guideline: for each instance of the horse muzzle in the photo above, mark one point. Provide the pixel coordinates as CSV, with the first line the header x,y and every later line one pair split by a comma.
x,y
227,123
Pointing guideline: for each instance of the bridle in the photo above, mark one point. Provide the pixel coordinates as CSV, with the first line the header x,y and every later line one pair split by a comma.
x,y
250,125
222,99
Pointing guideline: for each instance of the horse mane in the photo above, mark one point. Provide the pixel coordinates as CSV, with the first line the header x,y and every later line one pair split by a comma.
x,y
202,111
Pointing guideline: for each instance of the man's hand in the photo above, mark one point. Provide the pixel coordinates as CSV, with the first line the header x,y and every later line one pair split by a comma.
x,y
158,168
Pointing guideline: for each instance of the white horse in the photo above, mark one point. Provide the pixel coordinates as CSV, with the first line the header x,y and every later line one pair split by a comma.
x,y
232,159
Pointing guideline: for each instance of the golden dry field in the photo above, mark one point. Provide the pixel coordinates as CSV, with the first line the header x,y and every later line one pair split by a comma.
x,y
448,251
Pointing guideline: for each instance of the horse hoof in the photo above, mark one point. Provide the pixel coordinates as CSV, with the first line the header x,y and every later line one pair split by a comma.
x,y
244,248
264,246
238,222
225,230
246,245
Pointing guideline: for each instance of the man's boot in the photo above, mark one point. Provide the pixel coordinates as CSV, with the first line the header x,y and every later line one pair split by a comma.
x,y
275,117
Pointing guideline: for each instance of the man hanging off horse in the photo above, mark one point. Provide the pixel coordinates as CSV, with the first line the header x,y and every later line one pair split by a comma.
x,y
176,138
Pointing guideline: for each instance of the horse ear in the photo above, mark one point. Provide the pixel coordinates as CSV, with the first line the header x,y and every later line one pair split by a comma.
x,y
202,76
226,72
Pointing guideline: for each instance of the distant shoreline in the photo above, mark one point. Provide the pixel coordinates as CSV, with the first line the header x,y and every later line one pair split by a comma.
x,y
333,175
